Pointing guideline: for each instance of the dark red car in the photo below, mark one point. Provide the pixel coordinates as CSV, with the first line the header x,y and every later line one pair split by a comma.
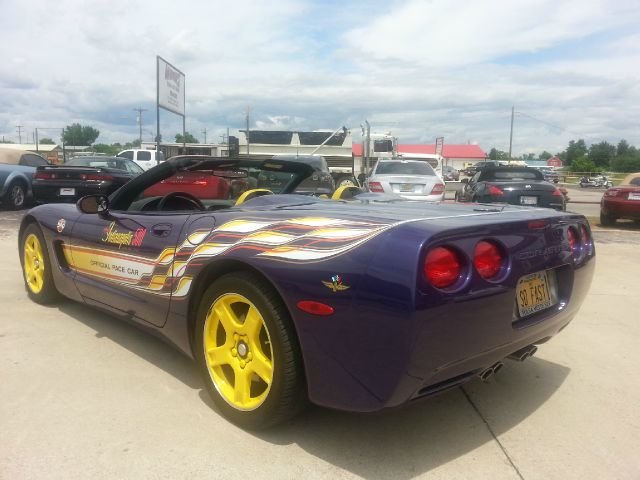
x,y
622,201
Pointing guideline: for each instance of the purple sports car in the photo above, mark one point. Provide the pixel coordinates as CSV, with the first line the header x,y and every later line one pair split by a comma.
x,y
357,304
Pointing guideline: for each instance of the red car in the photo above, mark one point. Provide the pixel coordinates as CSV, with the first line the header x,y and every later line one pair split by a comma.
x,y
622,201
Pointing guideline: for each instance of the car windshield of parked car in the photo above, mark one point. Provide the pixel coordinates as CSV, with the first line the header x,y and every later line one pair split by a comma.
x,y
97,162
511,174
404,168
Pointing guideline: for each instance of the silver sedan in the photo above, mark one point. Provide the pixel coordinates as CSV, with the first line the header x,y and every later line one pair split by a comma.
x,y
411,179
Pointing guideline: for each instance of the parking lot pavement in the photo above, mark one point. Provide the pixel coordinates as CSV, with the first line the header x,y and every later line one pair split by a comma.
x,y
85,395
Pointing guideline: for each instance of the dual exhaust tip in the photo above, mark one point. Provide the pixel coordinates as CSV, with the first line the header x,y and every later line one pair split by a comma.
x,y
520,355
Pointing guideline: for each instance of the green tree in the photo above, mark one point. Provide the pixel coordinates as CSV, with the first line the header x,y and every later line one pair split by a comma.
x,y
574,151
495,154
188,138
77,134
106,149
528,157
602,154
623,148
584,164
544,156
47,141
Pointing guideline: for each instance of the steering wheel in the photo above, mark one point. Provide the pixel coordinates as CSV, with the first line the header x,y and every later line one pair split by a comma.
x,y
185,197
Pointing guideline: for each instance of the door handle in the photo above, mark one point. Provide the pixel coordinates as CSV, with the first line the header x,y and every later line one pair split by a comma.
x,y
161,230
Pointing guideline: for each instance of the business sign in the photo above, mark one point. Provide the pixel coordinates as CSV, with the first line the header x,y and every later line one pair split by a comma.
x,y
439,145
170,87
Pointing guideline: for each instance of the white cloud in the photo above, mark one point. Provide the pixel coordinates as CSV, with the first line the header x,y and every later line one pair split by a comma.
x,y
420,69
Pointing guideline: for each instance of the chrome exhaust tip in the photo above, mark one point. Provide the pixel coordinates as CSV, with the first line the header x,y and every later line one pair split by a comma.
x,y
524,353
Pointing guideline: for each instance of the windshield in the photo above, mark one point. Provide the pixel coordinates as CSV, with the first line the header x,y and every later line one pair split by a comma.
x,y
215,182
511,174
404,168
101,162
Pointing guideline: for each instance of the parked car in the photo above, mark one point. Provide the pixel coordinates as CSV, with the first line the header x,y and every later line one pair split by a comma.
x,y
515,185
16,172
146,159
622,201
282,297
549,174
450,174
411,179
82,176
320,182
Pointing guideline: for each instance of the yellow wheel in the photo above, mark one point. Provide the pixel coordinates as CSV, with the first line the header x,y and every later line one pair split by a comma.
x,y
36,266
248,351
238,351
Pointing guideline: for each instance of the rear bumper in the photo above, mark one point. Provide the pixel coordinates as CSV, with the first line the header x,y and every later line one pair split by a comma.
x,y
378,355
621,208
50,193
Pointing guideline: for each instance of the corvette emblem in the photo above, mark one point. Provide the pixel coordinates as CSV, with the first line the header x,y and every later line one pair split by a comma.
x,y
61,224
336,284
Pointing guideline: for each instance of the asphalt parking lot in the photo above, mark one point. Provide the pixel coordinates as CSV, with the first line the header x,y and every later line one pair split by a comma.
x,y
85,395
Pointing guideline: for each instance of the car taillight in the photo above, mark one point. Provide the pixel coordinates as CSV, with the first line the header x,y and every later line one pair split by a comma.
x,y
584,234
97,177
437,189
442,267
612,192
572,236
488,259
44,175
375,187
557,193
493,190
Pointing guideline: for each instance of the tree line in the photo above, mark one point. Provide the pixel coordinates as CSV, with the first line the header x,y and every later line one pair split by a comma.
x,y
579,157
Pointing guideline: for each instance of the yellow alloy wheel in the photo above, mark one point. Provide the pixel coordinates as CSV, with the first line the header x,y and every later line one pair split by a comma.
x,y
238,351
34,265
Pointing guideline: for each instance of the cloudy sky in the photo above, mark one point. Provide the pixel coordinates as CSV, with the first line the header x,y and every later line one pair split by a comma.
x,y
418,68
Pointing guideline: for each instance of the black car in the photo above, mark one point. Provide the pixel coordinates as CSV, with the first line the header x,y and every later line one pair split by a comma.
x,y
320,182
475,168
515,185
82,176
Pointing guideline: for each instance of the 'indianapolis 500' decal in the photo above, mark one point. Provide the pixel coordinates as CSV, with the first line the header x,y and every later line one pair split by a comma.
x,y
297,240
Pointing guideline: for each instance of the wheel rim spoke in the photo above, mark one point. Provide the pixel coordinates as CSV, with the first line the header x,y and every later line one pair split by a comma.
x,y
262,367
220,355
242,386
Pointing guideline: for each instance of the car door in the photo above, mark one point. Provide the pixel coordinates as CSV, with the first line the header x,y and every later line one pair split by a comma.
x,y
124,261
143,158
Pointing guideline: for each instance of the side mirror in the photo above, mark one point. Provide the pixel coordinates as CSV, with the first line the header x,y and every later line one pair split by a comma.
x,y
465,180
94,204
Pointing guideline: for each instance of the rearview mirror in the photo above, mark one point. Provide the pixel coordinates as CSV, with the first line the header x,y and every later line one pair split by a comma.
x,y
93,204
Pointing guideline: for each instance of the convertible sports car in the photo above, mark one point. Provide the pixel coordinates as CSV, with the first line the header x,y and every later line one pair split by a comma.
x,y
356,305
515,185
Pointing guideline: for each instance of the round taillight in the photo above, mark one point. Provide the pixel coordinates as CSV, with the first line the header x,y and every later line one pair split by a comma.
x,y
442,267
584,234
573,239
488,259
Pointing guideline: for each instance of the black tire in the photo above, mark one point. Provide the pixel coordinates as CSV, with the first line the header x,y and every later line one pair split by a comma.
x,y
16,196
607,220
286,394
48,293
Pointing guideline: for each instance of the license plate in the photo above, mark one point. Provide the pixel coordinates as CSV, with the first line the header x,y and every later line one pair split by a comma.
x,y
634,196
406,187
526,200
535,293
67,191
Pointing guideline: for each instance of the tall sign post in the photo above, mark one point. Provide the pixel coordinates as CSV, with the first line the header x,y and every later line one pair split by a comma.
x,y
170,95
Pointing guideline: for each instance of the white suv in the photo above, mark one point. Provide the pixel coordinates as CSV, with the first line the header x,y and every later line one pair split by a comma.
x,y
145,158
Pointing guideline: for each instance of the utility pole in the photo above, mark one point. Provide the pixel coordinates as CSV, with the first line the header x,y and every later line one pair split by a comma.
x,y
248,110
511,133
140,110
37,150
19,128
204,132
